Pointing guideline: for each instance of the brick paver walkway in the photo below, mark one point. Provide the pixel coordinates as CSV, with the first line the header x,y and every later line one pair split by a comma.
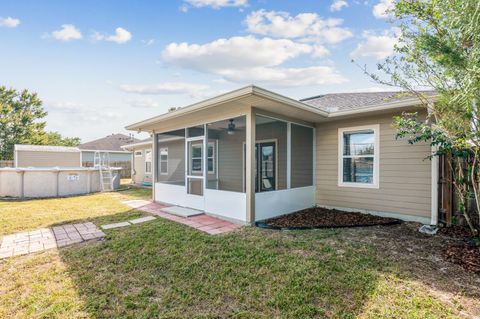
x,y
205,223
48,238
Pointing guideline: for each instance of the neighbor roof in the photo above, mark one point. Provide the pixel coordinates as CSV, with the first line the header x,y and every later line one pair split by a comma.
x,y
46,148
337,102
112,142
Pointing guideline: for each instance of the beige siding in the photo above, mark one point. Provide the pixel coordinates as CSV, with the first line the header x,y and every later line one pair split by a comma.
x,y
404,174
176,161
47,159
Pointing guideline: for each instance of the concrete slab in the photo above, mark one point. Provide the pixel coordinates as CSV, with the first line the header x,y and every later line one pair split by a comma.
x,y
182,211
142,220
115,225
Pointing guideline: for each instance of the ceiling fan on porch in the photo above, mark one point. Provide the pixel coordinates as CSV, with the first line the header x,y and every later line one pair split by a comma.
x,y
231,127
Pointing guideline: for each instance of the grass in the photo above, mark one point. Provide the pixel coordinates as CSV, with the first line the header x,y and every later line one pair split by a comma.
x,y
167,270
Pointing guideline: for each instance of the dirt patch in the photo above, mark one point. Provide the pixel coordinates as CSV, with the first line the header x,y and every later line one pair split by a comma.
x,y
318,217
466,256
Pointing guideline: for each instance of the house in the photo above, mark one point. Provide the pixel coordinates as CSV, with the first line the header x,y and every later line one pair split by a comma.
x,y
46,156
111,144
141,161
252,154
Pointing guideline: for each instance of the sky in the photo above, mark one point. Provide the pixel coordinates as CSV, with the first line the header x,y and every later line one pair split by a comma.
x,y
101,65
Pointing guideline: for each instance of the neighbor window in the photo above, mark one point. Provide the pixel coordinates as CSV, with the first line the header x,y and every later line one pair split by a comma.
x,y
138,153
164,161
148,161
358,156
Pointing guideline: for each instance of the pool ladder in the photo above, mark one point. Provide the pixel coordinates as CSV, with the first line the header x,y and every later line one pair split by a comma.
x,y
101,161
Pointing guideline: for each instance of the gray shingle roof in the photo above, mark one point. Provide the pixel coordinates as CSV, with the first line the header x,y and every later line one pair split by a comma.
x,y
109,143
335,102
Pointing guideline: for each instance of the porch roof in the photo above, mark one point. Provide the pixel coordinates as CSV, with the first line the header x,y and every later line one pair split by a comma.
x,y
275,103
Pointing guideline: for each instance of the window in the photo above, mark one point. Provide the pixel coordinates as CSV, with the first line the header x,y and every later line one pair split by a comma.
x,y
358,156
138,153
164,161
196,158
211,157
148,161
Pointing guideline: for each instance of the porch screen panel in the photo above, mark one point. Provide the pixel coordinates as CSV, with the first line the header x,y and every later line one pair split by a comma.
x,y
225,156
170,167
271,154
301,156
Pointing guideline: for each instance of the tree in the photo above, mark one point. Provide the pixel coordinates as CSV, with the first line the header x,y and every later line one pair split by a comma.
x,y
21,122
439,48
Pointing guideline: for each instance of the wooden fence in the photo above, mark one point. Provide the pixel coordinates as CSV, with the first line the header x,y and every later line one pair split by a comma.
x,y
126,166
6,164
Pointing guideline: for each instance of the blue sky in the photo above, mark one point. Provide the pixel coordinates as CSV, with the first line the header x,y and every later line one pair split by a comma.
x,y
100,65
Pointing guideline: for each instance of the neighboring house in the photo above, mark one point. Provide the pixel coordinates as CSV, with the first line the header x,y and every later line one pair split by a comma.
x,y
111,144
141,161
46,156
252,154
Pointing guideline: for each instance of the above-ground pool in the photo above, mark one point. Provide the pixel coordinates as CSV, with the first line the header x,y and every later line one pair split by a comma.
x,y
33,182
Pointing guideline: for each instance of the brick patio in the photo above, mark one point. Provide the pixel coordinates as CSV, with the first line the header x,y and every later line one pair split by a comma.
x,y
205,223
48,238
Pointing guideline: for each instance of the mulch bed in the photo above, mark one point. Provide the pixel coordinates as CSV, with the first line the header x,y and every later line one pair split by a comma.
x,y
318,217
455,231
467,256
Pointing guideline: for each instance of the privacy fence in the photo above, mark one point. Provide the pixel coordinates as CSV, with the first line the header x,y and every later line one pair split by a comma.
x,y
125,172
6,163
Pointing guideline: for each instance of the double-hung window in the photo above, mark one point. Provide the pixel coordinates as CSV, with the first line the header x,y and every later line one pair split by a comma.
x,y
148,161
211,157
196,160
163,161
358,158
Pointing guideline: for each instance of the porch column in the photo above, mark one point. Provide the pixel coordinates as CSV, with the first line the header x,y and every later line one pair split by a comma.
x,y
154,162
250,165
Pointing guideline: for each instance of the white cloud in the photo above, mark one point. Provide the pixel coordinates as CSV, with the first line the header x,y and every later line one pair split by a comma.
x,y
286,77
303,25
319,51
216,4
143,103
191,89
382,9
338,5
121,36
68,32
248,59
148,42
378,46
9,22
77,111
235,52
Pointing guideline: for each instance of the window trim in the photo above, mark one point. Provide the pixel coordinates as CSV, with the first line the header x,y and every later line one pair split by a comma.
x,y
160,160
376,155
191,158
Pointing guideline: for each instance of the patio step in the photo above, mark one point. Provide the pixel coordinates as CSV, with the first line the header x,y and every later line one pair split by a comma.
x,y
182,211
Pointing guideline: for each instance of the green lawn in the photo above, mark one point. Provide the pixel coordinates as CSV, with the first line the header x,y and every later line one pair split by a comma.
x,y
167,270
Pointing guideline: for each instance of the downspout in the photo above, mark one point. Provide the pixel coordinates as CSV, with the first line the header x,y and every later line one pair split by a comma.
x,y
434,181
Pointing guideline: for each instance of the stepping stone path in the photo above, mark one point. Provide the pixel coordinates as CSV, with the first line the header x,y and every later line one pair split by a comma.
x,y
205,223
48,238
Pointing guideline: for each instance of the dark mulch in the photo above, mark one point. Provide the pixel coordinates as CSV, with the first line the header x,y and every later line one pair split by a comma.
x,y
467,256
455,231
318,217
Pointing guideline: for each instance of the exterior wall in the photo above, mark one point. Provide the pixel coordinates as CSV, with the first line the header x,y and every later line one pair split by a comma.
x,y
176,162
38,183
47,159
404,174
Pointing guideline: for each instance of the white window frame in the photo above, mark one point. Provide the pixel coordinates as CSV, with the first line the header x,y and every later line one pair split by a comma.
x,y
138,153
160,151
196,158
150,161
213,144
376,158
